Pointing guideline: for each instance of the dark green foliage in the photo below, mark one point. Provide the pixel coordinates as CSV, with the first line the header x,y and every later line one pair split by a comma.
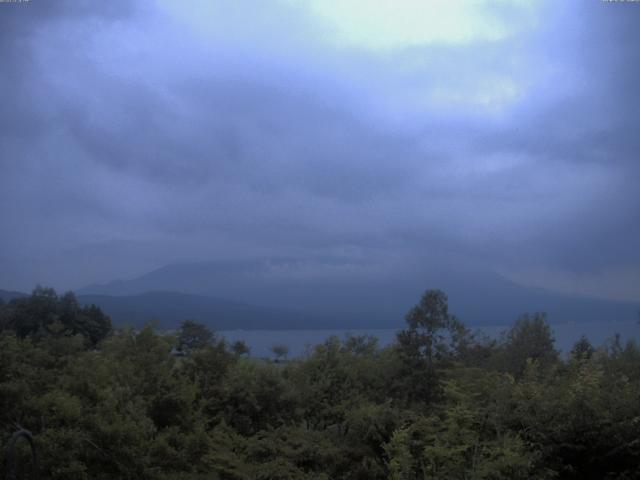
x,y
433,338
529,339
240,348
439,404
280,352
194,336
45,314
582,349
428,322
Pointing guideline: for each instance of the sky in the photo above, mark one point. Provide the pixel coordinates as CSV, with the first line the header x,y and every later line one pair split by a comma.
x,y
361,138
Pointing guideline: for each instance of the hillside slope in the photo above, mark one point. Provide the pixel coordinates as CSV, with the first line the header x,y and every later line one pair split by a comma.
x,y
477,297
168,309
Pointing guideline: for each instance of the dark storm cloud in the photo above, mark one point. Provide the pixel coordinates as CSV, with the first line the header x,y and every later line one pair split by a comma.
x,y
249,133
20,24
131,135
591,125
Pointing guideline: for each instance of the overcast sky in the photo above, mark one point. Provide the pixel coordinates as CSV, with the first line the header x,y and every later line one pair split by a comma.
x,y
354,135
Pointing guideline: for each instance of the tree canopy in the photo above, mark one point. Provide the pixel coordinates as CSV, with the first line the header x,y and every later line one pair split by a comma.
x,y
439,403
45,313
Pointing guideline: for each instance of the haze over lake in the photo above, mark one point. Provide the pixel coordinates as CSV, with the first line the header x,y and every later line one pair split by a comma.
x,y
301,342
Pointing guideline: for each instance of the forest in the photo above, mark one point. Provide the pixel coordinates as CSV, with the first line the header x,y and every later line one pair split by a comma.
x,y
441,402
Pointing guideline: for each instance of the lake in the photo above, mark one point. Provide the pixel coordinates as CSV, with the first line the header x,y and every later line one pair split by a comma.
x,y
301,341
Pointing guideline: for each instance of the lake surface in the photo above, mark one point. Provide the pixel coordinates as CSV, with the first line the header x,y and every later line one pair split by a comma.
x,y
301,341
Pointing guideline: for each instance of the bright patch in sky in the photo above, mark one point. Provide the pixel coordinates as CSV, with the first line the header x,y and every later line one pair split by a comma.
x,y
390,24
490,96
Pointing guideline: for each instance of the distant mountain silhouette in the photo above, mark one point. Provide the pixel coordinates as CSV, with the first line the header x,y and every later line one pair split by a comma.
x,y
477,297
7,295
168,309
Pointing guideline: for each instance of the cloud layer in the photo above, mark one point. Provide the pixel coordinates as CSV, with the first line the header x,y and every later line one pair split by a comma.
x,y
137,134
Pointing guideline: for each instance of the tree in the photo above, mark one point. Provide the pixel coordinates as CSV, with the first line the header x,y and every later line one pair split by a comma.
x,y
455,443
239,348
280,351
45,314
429,338
430,325
582,349
89,320
194,336
529,338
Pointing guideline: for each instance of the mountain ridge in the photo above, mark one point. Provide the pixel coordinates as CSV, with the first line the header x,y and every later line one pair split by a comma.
x,y
8,295
168,309
478,297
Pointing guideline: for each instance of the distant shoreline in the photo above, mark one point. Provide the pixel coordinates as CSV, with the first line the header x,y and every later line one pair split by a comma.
x,y
566,334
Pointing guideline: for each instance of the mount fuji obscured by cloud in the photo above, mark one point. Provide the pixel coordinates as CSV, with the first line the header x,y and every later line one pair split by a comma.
x,y
351,299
